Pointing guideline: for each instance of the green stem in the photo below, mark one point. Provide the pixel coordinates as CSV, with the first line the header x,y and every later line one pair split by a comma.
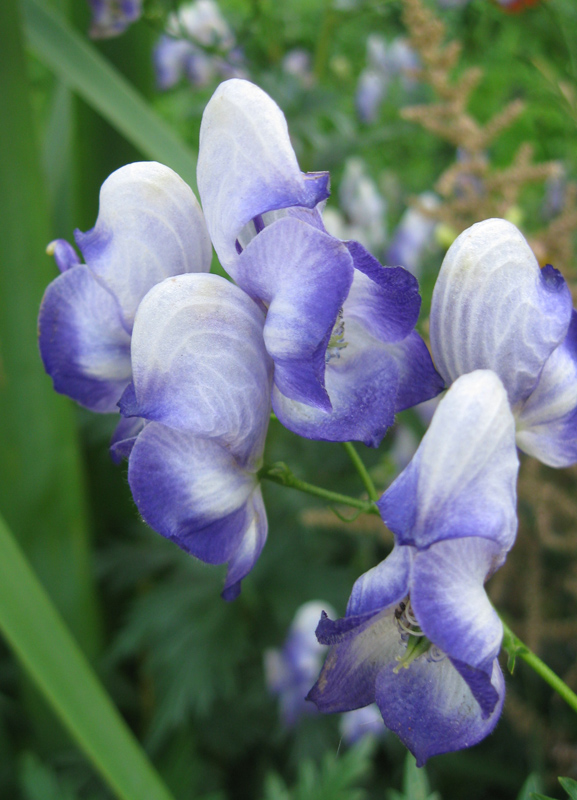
x,y
362,470
281,474
515,647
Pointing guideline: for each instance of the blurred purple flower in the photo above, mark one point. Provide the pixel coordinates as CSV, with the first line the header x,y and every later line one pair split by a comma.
x,y
420,636
112,17
494,308
413,236
367,721
298,63
181,51
291,672
339,326
385,62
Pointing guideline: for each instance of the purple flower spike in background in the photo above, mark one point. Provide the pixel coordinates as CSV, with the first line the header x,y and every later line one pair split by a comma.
x,y
149,227
420,636
112,17
494,308
180,52
290,672
339,326
202,381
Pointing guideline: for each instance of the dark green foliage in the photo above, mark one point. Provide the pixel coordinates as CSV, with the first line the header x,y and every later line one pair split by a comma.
x,y
336,778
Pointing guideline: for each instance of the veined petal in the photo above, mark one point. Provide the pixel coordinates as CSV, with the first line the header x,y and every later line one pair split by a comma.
x,y
450,602
432,709
83,344
247,166
494,308
385,300
250,547
462,480
419,381
367,381
149,227
547,420
303,276
200,364
384,585
193,491
347,679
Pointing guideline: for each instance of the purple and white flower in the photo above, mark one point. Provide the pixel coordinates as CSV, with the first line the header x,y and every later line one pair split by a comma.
x,y
494,308
339,326
420,637
112,17
201,382
181,52
149,227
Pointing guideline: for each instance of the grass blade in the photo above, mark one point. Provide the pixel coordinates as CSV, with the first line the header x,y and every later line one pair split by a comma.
x,y
81,67
42,643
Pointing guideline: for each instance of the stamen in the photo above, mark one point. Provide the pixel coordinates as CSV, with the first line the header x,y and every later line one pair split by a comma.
x,y
411,633
336,342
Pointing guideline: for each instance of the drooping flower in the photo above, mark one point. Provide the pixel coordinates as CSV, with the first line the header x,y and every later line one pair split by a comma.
x,y
182,51
420,636
112,17
201,382
339,326
494,308
149,227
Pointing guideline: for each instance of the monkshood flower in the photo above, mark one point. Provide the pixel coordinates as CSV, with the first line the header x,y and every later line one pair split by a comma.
x,y
112,17
339,326
180,52
494,308
420,637
149,227
201,381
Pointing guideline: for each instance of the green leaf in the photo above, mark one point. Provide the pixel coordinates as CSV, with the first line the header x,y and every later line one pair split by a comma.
x,y
41,478
531,785
336,779
40,783
415,783
81,67
570,787
42,643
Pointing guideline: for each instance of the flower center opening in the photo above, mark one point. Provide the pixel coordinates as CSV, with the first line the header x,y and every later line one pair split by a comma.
x,y
417,643
337,340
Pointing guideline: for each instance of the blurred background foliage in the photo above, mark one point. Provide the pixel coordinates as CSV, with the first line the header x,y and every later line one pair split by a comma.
x,y
185,668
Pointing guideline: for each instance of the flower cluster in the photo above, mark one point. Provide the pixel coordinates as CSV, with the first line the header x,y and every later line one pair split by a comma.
x,y
316,329
112,17
199,45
